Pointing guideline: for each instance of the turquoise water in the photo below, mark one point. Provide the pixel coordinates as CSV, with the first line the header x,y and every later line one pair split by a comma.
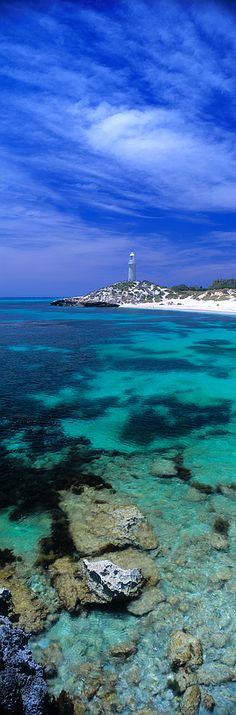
x,y
117,396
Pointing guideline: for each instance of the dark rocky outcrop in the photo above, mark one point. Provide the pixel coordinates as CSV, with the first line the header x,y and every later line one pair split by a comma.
x,y
23,690
98,304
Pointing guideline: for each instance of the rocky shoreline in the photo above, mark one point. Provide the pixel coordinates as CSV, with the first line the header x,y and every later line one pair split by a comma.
x,y
146,295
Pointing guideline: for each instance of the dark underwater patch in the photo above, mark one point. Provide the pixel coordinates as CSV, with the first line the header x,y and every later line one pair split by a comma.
x,y
129,401
223,374
172,418
42,429
181,471
221,348
157,364
59,543
34,490
219,432
91,409
7,557
214,342
182,333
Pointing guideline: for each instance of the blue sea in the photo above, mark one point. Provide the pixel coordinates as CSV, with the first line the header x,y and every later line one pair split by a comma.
x,y
145,402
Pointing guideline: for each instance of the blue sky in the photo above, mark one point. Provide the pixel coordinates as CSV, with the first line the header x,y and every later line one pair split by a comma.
x,y
117,128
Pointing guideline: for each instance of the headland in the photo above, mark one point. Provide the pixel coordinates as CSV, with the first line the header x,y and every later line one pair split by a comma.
x,y
147,295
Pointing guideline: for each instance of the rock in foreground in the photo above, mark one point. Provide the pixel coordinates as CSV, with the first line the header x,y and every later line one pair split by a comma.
x,y
110,582
69,578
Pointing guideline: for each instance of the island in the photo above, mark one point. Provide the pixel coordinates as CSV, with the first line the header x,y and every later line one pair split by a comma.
x,y
219,297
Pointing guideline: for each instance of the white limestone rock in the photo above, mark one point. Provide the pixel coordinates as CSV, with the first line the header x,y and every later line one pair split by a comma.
x,y
110,582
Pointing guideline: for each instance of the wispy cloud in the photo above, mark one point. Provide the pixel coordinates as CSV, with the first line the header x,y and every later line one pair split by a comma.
x,y
117,127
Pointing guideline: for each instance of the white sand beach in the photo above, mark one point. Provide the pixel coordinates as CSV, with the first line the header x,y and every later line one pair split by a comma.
x,y
190,304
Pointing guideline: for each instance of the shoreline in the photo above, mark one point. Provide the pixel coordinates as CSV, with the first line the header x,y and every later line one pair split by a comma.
x,y
194,306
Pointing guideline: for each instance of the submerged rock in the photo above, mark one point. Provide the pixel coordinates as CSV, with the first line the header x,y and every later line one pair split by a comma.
x,y
191,701
228,656
184,649
123,650
215,674
162,467
22,686
208,701
219,541
30,612
147,602
97,524
182,680
221,576
63,577
221,525
110,582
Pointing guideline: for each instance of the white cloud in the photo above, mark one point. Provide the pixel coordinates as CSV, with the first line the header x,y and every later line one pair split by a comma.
x,y
185,166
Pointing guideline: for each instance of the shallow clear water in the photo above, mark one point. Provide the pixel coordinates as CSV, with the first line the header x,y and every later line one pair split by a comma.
x,y
110,393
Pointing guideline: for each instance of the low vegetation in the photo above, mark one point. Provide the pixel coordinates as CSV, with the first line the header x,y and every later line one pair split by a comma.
x,y
222,283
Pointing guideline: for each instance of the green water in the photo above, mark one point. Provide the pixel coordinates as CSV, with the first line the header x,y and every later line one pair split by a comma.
x,y
119,394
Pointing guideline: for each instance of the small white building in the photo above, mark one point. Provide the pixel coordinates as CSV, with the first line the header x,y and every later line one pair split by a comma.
x,y
132,267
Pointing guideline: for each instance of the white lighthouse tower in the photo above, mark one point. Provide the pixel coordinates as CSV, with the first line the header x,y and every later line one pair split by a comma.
x,y
132,267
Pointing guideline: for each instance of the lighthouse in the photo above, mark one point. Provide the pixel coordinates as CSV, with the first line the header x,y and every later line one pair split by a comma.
x,y
132,267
